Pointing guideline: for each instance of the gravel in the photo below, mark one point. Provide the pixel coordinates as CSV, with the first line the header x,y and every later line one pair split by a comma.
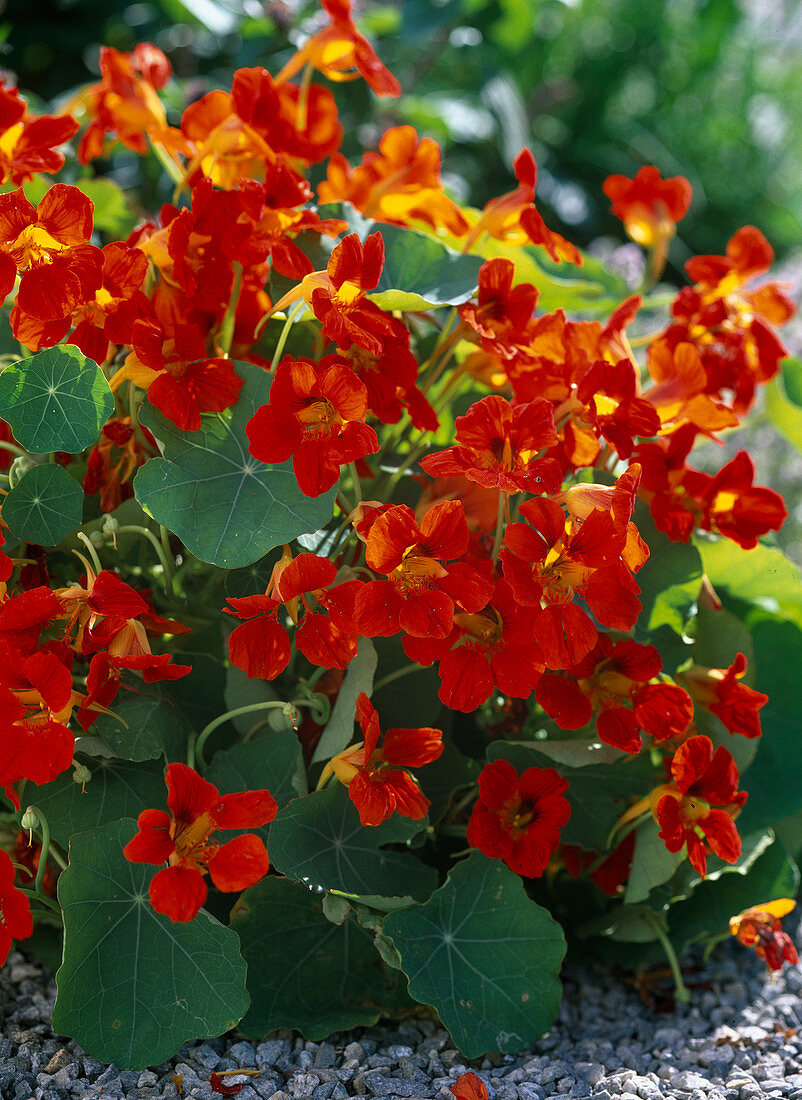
x,y
741,1037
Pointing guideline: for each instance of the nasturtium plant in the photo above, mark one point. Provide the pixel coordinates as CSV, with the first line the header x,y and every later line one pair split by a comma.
x,y
365,627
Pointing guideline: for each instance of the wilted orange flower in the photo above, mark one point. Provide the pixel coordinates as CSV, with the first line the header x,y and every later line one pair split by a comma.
x,y
760,927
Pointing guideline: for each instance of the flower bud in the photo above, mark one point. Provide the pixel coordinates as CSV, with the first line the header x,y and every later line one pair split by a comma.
x,y
30,819
283,719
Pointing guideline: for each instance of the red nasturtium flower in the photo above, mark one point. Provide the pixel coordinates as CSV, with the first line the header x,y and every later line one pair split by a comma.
x,y
760,927
316,416
500,447
721,692
183,839
304,589
16,922
424,585
377,782
519,818
648,205
698,807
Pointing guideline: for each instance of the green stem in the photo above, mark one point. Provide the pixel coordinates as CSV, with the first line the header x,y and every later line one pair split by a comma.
x,y
285,332
174,171
13,448
195,748
92,552
357,485
399,672
168,571
169,560
44,829
681,992
226,333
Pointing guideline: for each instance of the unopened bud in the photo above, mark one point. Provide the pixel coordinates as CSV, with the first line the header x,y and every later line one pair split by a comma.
x,y
109,525
285,718
19,468
30,821
81,774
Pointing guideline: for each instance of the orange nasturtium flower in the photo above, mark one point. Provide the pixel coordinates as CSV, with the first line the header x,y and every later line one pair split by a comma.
x,y
648,205
721,692
759,927
28,144
339,49
182,838
376,780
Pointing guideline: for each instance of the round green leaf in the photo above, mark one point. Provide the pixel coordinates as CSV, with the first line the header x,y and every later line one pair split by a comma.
x,y
228,508
55,401
45,507
304,971
117,788
133,985
320,840
484,955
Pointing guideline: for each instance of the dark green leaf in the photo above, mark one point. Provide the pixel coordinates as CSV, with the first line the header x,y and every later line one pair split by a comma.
x,y
55,401
774,779
273,761
319,840
134,985
598,795
118,788
303,970
669,581
147,724
228,508
485,956
45,507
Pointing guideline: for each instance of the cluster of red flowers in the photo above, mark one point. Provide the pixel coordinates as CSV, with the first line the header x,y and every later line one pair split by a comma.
x,y
516,571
